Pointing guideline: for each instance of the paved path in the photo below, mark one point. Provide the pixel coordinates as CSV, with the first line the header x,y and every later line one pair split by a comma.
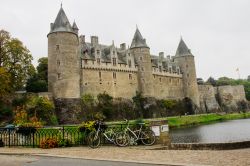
x,y
21,160
142,154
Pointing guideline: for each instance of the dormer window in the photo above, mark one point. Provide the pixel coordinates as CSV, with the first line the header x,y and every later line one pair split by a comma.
x,y
113,52
98,52
129,63
98,61
114,61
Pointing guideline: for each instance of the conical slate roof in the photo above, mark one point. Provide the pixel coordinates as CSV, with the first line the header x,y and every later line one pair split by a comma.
x,y
138,40
61,23
182,49
74,26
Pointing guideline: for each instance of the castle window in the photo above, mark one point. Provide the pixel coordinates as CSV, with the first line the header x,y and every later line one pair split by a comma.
x,y
187,75
57,47
140,58
85,61
113,52
59,76
98,52
170,70
100,75
160,79
128,54
129,63
142,69
154,76
114,61
130,76
98,61
58,62
160,68
170,80
114,75
186,66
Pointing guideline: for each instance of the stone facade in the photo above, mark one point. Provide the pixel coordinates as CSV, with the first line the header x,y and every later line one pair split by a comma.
x,y
77,67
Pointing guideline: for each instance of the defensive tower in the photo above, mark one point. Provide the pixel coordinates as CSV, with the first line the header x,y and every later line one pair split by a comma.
x,y
63,58
141,52
185,60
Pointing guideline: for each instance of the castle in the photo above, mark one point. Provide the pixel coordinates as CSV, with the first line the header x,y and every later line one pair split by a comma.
x,y
77,67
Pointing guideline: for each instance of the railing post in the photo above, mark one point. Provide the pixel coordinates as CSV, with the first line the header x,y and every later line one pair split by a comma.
x,y
9,136
63,134
33,139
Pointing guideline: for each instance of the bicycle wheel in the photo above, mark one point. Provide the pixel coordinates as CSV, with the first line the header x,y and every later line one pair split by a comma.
x,y
148,137
122,139
94,139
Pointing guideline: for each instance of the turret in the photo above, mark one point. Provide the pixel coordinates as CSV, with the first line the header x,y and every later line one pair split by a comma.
x,y
75,28
141,52
185,60
63,58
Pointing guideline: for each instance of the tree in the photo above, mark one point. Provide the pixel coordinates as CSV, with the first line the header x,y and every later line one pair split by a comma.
x,y
211,81
4,82
38,82
15,59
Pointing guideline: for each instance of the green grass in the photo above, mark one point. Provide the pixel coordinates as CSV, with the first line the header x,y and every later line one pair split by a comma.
x,y
190,120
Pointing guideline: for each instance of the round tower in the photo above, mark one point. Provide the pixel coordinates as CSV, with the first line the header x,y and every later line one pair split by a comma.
x,y
141,52
63,59
185,60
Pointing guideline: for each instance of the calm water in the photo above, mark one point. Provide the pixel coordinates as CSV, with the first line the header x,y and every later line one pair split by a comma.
x,y
229,131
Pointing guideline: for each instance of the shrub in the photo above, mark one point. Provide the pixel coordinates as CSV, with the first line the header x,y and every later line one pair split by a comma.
x,y
49,143
87,126
64,143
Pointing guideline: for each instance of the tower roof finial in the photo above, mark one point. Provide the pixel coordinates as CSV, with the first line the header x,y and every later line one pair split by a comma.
x,y
136,26
61,4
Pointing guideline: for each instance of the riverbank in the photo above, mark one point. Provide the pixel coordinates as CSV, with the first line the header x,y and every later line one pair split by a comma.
x,y
190,120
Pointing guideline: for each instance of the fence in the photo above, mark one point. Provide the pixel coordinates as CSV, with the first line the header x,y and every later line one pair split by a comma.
x,y
32,137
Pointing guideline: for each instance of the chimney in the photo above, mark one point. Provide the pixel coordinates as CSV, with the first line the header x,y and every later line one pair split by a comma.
x,y
51,26
94,40
123,46
82,39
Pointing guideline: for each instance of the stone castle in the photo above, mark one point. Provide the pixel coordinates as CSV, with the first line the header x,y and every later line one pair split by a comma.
x,y
77,67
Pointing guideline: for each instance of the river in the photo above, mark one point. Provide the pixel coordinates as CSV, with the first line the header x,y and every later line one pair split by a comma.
x,y
221,132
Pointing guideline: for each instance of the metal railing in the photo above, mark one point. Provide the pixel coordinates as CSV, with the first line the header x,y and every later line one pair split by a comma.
x,y
32,137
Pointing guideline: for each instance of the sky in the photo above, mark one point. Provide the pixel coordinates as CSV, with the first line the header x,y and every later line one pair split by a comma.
x,y
216,31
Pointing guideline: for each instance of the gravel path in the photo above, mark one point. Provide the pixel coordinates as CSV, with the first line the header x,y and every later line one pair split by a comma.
x,y
240,157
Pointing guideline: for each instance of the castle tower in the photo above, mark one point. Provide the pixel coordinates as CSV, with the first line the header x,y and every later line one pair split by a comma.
x,y
185,60
141,52
63,58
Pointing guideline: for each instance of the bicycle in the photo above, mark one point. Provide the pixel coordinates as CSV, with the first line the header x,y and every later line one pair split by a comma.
x,y
147,136
94,138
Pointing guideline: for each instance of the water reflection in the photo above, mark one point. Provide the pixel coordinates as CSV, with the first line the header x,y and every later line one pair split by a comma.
x,y
229,131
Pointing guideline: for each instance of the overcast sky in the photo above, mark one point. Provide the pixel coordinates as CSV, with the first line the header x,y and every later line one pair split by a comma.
x,y
216,31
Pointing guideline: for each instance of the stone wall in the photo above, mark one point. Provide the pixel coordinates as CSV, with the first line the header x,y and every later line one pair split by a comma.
x,y
68,111
223,98
123,85
208,102
168,87
231,97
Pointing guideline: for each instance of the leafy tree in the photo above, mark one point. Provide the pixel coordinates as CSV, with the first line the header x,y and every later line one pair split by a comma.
x,y
15,59
38,82
5,82
211,81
